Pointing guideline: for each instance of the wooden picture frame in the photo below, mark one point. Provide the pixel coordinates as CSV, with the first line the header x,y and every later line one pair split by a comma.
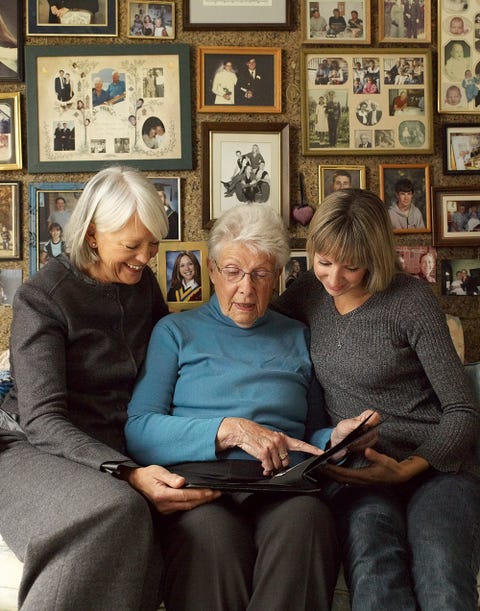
x,y
406,187
334,177
353,103
461,148
169,187
298,264
249,15
321,24
143,119
460,277
239,79
139,11
452,212
229,150
72,22
168,253
405,22
10,227
10,132
11,23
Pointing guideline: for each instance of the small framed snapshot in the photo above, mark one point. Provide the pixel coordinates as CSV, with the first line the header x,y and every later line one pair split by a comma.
x,y
407,21
72,18
335,177
11,41
154,20
461,148
245,162
355,101
405,189
419,261
10,132
239,79
10,242
336,23
297,265
238,15
50,207
456,216
10,281
461,277
168,189
183,274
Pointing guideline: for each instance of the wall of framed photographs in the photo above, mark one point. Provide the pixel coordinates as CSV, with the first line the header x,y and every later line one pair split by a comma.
x,y
407,124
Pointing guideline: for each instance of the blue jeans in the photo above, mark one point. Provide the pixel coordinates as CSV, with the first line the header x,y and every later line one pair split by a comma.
x,y
412,546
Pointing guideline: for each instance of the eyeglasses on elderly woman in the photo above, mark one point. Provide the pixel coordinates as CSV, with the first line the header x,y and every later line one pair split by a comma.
x,y
236,275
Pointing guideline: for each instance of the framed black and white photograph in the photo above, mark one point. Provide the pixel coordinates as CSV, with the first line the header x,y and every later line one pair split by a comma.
x,y
72,18
336,23
461,277
461,148
419,261
152,20
335,177
10,132
456,216
248,15
169,191
297,265
10,239
11,41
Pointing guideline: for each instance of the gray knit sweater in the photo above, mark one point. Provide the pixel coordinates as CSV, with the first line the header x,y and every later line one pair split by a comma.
x,y
393,354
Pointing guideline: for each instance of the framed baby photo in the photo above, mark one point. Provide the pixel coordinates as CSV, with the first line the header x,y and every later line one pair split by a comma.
x,y
50,206
10,239
169,191
461,277
182,272
461,149
335,177
248,15
152,20
10,132
79,18
245,163
456,216
11,41
458,56
297,265
419,261
358,101
405,189
239,79
336,23
407,21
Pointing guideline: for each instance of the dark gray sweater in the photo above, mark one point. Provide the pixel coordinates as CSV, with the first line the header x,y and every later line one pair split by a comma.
x,y
393,354
76,348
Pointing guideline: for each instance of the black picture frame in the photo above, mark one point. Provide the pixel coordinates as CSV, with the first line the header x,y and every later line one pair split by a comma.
x,y
38,25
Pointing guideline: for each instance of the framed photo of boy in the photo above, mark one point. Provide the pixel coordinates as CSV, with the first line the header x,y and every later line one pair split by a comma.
x,y
10,132
10,242
239,79
153,20
169,191
11,41
456,216
461,277
336,23
183,274
245,162
461,149
297,265
238,15
72,18
405,189
407,21
335,177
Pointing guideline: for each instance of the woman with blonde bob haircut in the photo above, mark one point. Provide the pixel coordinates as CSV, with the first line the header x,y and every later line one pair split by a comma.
x,y
380,340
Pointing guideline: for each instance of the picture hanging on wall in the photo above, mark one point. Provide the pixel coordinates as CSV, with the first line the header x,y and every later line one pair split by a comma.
x,y
297,265
419,261
334,177
152,20
169,191
11,41
461,149
87,18
10,242
336,23
238,15
10,132
456,216
461,277
407,21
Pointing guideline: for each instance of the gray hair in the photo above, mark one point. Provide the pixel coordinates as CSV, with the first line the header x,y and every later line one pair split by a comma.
x,y
109,200
256,226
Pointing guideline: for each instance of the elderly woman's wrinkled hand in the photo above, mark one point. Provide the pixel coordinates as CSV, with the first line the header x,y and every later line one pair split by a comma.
x,y
269,447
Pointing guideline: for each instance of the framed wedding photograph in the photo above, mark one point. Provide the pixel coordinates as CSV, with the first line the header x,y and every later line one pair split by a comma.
x,y
90,106
297,265
168,189
461,149
239,79
335,177
405,189
245,162
152,20
182,272
80,18
336,23
10,132
456,216
461,277
358,101
11,41
10,242
407,21
248,15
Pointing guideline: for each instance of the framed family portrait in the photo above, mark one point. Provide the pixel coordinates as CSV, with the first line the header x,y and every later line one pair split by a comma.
x,y
336,23
239,79
152,20
419,261
10,132
242,163
72,18
237,15
456,216
297,265
461,277
458,56
461,149
183,274
90,106
359,101
10,242
11,41
407,21
405,189
50,207
168,189
334,177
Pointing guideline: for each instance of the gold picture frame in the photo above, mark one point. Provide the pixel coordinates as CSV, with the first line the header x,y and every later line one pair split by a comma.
x,y
318,22
10,132
334,177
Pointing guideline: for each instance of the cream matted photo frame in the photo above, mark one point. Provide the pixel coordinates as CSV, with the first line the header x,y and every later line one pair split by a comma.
x,y
10,132
336,23
248,15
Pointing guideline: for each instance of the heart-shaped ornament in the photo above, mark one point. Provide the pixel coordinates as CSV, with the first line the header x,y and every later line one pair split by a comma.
x,y
302,214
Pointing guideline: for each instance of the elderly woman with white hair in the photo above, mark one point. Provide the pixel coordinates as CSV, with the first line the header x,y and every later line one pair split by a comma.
x,y
224,391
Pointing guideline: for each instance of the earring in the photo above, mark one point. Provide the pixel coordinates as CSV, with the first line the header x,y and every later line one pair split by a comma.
x,y
94,245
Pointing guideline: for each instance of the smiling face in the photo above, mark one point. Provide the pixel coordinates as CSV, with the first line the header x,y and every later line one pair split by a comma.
x,y
186,269
339,279
404,200
427,264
